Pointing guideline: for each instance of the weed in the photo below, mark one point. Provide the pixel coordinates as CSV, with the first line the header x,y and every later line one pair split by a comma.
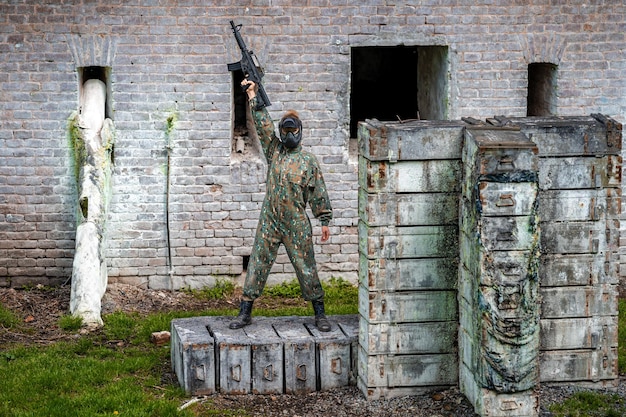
x,y
7,318
70,323
222,288
287,289
590,404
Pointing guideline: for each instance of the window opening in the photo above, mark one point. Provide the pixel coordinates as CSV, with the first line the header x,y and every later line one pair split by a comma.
x,y
541,89
398,83
100,73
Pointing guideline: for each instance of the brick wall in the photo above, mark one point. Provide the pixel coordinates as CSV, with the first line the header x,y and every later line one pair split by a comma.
x,y
168,60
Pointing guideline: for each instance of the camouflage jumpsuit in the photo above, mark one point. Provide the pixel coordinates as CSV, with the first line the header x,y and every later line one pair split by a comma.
x,y
293,179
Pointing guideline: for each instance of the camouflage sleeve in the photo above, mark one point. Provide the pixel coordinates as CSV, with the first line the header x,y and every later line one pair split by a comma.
x,y
264,128
319,201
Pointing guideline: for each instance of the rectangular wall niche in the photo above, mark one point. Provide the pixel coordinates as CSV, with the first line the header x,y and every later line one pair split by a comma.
x,y
100,73
398,82
541,89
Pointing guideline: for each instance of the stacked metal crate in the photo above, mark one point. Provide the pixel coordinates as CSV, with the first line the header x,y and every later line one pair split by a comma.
x,y
409,178
498,277
579,207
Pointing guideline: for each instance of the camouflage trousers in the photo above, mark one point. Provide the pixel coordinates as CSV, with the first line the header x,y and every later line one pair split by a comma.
x,y
297,237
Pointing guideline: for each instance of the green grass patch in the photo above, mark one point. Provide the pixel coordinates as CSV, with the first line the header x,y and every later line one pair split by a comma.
x,y
590,404
70,323
222,288
86,378
8,320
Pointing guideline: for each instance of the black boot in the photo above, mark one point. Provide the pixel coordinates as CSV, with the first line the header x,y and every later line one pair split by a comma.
x,y
244,318
322,323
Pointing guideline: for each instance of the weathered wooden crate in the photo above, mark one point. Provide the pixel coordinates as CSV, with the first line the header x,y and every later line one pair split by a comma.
x,y
269,356
580,366
418,140
559,270
580,237
573,135
334,356
408,274
579,333
408,242
408,338
408,371
566,302
424,176
566,173
299,354
192,354
580,205
400,307
393,209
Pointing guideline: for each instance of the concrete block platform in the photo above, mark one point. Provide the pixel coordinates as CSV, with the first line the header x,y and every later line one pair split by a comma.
x,y
272,355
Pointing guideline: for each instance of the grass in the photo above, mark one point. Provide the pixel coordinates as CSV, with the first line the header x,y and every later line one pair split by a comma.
x,y
116,371
590,404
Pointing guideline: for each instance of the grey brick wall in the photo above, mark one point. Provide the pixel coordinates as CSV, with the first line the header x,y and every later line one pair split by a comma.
x,y
168,59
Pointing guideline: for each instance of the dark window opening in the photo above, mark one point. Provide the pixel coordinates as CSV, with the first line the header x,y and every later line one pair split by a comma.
x,y
245,260
398,83
541,89
240,102
100,73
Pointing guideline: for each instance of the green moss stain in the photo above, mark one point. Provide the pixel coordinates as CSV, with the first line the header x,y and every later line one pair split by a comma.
x,y
77,145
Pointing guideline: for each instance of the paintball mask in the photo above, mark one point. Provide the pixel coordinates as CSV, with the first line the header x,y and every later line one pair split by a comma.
x,y
290,128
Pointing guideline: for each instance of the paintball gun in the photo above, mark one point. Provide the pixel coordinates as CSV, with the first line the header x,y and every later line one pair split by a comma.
x,y
250,67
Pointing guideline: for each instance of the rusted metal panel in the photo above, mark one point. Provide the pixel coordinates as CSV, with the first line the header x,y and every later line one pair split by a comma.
x,y
579,269
408,242
408,274
573,205
579,365
572,135
398,307
580,172
566,302
408,370
192,354
579,333
299,353
408,338
424,209
417,140
579,237
427,176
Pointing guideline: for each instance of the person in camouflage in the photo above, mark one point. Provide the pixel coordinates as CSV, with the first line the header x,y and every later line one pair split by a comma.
x,y
294,178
